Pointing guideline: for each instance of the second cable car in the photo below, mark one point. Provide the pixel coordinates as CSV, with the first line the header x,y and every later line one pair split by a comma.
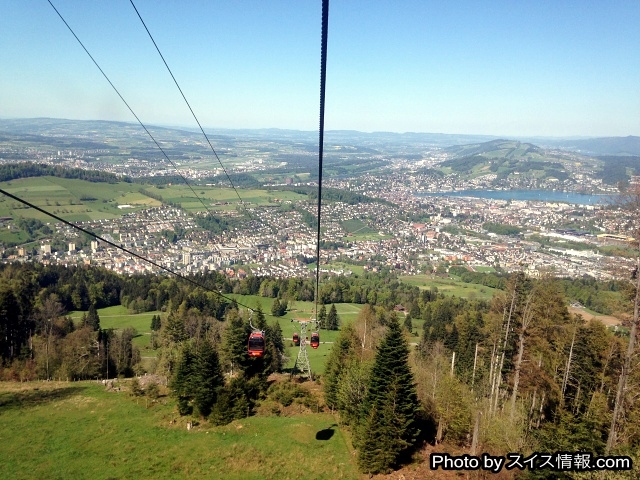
x,y
296,339
315,340
256,344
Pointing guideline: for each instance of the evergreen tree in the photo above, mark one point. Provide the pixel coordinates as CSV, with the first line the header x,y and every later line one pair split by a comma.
x,y
259,321
174,330
332,319
273,349
92,319
155,323
275,308
322,317
182,382
278,339
451,339
383,436
388,427
232,403
408,324
234,343
283,307
207,379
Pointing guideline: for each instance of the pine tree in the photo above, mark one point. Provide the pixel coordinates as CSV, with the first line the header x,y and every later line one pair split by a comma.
x,y
174,331
207,379
407,323
259,320
332,319
273,349
322,317
92,320
182,382
383,436
388,427
156,323
275,308
234,343
231,404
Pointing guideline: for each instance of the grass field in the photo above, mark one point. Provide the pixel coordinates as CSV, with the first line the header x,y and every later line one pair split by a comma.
x,y
119,318
450,287
183,195
71,199
356,226
79,200
58,430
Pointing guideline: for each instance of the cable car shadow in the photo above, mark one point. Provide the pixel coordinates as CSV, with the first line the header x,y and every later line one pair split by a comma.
x,y
326,433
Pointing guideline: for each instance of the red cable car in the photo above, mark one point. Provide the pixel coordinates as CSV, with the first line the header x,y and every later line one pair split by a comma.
x,y
315,340
296,339
256,344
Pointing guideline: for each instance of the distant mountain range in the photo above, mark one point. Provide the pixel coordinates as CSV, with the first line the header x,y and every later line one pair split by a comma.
x,y
587,146
349,152
597,146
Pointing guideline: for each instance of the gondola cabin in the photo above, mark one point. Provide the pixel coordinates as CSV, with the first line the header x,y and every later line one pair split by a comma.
x,y
296,339
256,344
315,340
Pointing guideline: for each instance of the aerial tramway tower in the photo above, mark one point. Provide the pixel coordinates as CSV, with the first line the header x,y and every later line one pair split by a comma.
x,y
302,361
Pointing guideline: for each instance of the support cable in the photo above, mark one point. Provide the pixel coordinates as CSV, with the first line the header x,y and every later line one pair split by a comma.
x,y
190,109
129,107
323,80
119,247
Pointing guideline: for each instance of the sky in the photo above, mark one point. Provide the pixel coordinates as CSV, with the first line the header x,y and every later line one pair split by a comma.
x,y
506,68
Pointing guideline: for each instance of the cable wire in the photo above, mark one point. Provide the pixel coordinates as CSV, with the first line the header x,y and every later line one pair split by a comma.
x,y
190,109
129,107
323,81
119,247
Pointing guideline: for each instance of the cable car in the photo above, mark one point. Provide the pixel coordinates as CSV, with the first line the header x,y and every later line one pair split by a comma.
x,y
296,339
315,340
256,344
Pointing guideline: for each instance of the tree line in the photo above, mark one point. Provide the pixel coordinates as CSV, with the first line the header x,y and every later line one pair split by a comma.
x,y
13,171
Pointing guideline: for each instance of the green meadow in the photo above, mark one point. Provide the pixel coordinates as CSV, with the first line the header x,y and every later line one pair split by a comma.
x,y
449,286
72,199
78,430
119,318
78,200
182,194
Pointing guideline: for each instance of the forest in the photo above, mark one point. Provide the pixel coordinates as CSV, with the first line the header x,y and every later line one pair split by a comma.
x,y
12,171
518,373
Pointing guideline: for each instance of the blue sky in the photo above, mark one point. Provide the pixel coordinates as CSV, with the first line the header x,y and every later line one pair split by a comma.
x,y
548,68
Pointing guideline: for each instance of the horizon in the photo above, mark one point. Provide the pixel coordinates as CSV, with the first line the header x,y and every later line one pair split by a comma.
x,y
195,129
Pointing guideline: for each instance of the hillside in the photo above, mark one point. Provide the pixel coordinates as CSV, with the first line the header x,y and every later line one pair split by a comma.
x,y
515,160
509,159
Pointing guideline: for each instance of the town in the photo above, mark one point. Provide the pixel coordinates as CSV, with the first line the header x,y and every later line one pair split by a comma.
x,y
278,243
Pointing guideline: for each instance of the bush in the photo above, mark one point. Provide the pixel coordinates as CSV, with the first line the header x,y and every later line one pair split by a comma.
x,y
135,390
286,393
152,390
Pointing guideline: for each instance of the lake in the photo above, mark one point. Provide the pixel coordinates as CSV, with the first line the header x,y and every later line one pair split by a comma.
x,y
540,195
